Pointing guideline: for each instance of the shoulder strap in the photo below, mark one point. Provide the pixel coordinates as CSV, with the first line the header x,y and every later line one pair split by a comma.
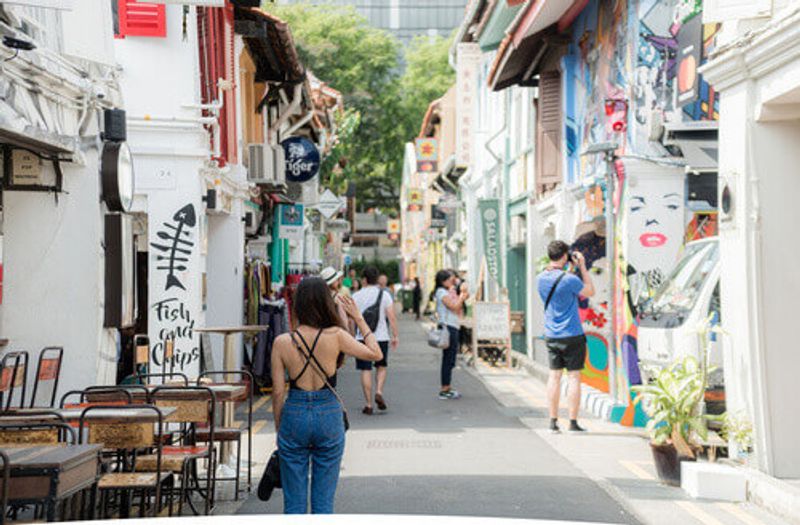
x,y
377,303
318,367
553,290
310,351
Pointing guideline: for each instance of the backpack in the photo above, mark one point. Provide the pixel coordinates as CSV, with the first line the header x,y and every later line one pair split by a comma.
x,y
372,315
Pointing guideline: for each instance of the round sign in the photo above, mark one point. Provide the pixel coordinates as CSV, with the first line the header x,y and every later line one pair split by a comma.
x,y
116,170
302,159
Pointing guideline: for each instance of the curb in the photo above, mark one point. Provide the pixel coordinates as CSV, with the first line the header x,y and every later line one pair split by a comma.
x,y
597,403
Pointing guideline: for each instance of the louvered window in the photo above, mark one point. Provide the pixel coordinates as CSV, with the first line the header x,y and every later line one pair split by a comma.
x,y
141,19
548,132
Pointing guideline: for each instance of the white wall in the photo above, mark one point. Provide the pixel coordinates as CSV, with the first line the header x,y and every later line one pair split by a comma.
x,y
54,273
160,77
225,271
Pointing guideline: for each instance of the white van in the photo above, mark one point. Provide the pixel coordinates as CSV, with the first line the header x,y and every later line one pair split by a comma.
x,y
668,323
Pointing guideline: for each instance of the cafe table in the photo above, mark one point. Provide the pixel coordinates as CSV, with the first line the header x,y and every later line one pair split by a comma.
x,y
49,473
229,363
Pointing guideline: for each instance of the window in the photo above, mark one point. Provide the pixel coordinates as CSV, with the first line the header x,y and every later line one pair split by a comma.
x,y
140,19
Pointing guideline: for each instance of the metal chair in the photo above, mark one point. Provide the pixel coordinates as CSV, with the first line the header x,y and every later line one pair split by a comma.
x,y
195,405
165,377
13,374
224,434
48,372
128,438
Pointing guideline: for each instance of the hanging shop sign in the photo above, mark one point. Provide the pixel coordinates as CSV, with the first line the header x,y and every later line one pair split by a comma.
x,y
438,217
329,204
469,56
427,154
302,159
116,171
26,168
415,199
490,227
290,221
393,226
448,203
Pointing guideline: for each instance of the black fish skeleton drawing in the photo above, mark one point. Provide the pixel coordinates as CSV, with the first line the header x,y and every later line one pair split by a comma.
x,y
179,249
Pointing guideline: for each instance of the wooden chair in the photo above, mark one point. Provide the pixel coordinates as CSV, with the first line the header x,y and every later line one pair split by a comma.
x,y
48,372
166,378
13,378
34,430
105,395
195,405
223,434
131,438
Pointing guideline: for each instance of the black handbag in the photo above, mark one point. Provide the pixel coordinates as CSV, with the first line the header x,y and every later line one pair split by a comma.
x,y
271,478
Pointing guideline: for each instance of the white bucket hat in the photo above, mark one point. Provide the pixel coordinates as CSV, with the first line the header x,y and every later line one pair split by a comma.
x,y
329,275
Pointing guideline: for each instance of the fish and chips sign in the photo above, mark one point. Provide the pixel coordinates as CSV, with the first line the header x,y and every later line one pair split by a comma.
x,y
427,154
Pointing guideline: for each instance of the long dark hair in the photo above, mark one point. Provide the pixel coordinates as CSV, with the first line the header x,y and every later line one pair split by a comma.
x,y
313,304
441,277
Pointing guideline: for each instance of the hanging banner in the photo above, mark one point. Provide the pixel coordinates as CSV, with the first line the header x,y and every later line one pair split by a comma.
x,y
490,227
469,57
427,154
290,221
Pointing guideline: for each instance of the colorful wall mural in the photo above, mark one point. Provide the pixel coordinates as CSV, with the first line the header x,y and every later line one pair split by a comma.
x,y
631,66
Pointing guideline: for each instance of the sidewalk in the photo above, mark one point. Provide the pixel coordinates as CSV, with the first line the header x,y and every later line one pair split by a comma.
x,y
617,458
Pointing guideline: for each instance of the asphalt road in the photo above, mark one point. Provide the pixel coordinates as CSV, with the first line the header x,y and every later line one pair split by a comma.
x,y
466,457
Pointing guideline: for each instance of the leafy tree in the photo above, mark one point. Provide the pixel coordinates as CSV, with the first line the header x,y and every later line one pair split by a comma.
x,y
385,105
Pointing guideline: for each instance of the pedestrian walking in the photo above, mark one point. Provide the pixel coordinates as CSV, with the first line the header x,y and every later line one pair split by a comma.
x,y
448,304
416,298
377,306
559,289
309,421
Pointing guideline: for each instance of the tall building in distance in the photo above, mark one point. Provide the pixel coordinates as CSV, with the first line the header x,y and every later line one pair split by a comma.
x,y
405,19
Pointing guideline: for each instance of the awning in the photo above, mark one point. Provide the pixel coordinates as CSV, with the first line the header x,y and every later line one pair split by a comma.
x,y
271,44
527,39
697,141
497,18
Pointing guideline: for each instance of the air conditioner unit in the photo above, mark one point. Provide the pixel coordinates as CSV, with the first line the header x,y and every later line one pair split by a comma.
x,y
267,166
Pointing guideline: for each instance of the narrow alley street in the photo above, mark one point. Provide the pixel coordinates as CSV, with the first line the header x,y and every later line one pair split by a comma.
x,y
487,454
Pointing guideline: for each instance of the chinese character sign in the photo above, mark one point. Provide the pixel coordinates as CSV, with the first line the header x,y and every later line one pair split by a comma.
x,y
466,78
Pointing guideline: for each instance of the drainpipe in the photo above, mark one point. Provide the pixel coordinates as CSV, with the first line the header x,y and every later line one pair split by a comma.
x,y
297,98
213,108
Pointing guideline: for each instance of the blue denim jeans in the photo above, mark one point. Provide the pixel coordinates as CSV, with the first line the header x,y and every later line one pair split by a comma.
x,y
311,431
449,355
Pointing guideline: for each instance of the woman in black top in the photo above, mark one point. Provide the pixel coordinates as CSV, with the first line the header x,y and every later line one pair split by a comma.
x,y
309,423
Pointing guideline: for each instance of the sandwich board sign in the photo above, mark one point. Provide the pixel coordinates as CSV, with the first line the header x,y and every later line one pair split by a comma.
x,y
492,327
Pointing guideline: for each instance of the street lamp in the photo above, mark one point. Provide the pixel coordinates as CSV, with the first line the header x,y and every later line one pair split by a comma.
x,y
608,149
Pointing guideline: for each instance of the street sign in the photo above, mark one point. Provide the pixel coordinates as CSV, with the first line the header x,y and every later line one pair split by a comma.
x,y
347,259
290,221
329,204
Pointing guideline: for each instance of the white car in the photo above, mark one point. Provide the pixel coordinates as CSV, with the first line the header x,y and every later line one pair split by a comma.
x,y
668,323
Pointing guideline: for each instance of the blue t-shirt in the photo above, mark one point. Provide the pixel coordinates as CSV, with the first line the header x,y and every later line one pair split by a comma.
x,y
561,319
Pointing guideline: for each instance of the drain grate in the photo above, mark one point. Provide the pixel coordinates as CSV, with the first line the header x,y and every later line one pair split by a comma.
x,y
403,443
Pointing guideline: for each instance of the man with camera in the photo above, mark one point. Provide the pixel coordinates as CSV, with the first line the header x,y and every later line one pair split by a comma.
x,y
559,288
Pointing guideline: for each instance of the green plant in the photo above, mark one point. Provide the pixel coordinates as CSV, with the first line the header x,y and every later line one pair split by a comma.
x,y
541,263
739,429
672,401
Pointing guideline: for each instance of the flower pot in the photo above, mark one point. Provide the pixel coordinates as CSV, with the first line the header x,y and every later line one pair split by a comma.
x,y
668,464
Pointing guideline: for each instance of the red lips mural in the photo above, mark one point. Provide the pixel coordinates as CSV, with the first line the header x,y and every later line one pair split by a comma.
x,y
652,240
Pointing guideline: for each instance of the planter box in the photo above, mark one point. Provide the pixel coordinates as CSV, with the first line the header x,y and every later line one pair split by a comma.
x,y
713,481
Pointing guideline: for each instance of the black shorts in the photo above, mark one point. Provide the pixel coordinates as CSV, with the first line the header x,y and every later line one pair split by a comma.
x,y
367,365
567,352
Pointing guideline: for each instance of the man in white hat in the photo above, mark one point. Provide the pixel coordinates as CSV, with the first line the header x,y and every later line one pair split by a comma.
x,y
334,279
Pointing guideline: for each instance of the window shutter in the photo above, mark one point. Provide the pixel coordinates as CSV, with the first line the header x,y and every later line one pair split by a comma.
x,y
548,150
141,19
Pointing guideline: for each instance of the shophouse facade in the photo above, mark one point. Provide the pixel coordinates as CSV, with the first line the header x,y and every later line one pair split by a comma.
x,y
756,68
56,217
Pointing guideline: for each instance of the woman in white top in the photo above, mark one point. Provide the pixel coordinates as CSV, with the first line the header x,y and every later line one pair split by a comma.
x,y
447,307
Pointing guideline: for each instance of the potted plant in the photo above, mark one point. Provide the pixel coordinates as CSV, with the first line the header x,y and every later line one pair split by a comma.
x,y
737,430
673,401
